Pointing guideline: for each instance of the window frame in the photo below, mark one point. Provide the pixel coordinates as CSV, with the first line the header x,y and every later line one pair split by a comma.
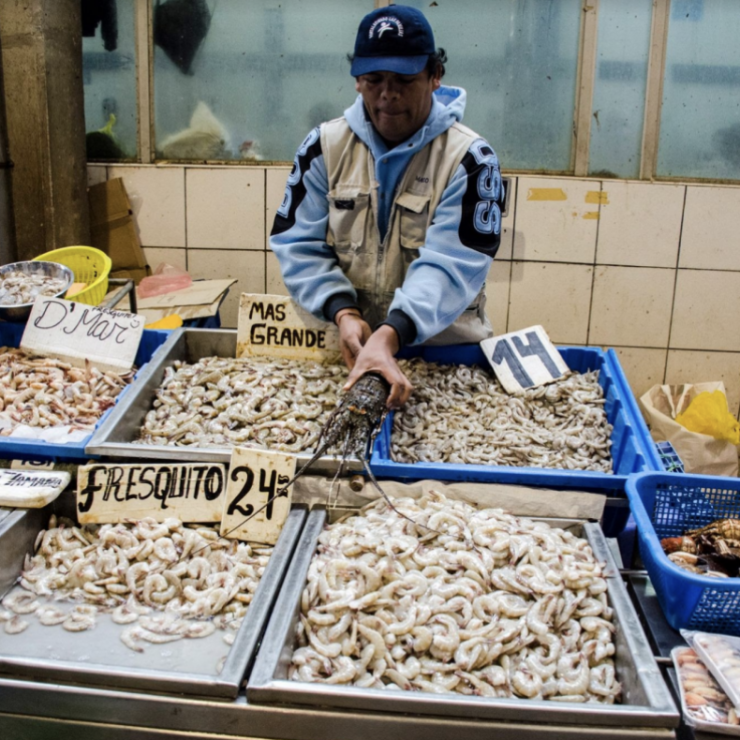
x,y
585,80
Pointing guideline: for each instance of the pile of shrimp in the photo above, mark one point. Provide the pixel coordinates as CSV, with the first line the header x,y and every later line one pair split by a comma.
x,y
18,288
461,414
249,401
477,602
164,581
46,392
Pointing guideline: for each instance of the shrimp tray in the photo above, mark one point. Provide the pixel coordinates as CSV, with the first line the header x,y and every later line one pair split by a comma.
x,y
138,428
17,447
524,447
107,654
645,707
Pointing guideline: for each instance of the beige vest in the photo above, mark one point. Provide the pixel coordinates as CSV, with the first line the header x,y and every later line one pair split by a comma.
x,y
377,268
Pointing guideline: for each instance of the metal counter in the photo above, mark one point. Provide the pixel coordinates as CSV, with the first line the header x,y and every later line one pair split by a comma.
x,y
647,701
97,657
115,437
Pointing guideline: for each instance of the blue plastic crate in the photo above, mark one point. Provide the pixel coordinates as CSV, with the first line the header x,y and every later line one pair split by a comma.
x,y
36,449
666,505
632,447
669,458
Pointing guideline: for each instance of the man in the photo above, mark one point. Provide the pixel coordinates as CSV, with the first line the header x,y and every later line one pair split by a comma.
x,y
392,213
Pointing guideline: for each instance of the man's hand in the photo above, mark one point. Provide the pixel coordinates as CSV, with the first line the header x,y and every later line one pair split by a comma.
x,y
377,357
354,331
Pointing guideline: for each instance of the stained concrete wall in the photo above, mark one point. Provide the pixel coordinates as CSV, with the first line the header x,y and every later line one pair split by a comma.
x,y
41,54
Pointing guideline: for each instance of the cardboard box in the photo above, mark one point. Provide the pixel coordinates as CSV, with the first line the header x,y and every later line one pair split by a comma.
x,y
113,230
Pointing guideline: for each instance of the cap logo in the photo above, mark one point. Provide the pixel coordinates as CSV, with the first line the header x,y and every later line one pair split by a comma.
x,y
386,23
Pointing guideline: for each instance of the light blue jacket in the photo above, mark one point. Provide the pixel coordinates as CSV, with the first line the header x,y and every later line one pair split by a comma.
x,y
454,265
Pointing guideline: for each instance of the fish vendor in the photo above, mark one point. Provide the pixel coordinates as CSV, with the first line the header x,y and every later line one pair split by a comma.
x,y
392,213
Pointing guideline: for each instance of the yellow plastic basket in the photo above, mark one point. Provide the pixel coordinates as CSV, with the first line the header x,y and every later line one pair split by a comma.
x,y
89,265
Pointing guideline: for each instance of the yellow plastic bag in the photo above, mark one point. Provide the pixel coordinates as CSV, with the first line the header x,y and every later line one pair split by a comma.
x,y
708,414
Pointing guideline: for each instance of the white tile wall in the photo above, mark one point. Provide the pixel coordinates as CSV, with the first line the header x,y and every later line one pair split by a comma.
x,y
556,220
706,311
248,267
711,237
699,367
274,279
644,368
624,299
497,295
275,180
226,208
155,255
631,306
96,174
157,195
640,224
554,295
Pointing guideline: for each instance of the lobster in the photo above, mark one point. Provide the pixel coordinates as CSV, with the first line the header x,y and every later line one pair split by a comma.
x,y
351,428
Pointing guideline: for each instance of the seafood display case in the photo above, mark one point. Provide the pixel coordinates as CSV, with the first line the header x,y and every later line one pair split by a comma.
x,y
647,705
116,438
39,449
204,667
632,449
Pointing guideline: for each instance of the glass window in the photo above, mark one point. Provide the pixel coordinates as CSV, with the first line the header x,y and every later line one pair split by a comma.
x,y
236,80
109,79
700,118
517,60
619,87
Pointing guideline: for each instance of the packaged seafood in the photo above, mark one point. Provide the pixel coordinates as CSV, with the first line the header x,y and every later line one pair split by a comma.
x,y
704,704
721,655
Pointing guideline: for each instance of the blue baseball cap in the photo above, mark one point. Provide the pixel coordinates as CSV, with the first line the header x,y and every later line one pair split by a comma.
x,y
396,38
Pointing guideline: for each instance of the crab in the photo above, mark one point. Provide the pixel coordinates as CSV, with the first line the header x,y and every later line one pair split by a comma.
x,y
724,529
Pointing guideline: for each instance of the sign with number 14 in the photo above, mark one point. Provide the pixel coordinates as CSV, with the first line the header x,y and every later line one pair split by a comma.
x,y
524,359
255,508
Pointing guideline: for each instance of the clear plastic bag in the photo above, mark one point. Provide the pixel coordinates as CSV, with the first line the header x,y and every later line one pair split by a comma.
x,y
166,278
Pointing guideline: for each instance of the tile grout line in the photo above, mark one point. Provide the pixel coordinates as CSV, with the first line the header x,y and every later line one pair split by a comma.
x,y
511,261
185,214
675,283
593,268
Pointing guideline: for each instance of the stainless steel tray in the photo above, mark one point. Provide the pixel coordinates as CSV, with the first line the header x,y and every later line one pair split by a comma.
x,y
115,437
647,702
98,658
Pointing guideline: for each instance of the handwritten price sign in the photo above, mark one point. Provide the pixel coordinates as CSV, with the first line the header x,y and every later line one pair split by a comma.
x,y
524,359
275,326
255,508
77,332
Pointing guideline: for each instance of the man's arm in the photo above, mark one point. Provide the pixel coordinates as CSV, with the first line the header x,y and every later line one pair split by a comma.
x,y
461,242
298,238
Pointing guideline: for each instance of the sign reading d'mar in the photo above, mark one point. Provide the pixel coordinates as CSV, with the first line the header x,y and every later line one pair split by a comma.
x,y
110,493
78,333
275,326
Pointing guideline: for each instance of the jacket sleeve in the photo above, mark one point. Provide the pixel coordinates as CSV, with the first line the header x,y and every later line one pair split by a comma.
x,y
461,241
309,266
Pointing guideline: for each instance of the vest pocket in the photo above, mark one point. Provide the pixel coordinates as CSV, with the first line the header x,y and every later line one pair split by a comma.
x,y
347,217
413,214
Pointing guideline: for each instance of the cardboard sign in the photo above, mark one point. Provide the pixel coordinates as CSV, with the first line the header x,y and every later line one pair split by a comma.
x,y
31,488
254,510
275,326
76,332
524,359
192,492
